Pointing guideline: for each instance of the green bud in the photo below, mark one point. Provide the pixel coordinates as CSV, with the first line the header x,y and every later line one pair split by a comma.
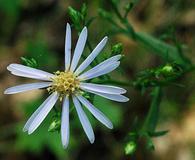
x,y
130,148
55,125
117,49
167,70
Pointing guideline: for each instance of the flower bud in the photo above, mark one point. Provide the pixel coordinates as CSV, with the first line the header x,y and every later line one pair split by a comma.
x,y
130,148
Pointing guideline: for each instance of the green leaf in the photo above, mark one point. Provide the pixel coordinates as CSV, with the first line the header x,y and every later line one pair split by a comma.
x,y
158,133
29,62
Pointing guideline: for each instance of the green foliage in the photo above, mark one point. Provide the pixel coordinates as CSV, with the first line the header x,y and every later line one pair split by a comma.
x,y
117,49
76,17
29,62
147,131
129,6
151,120
84,10
159,76
79,18
56,123
10,7
176,66
158,133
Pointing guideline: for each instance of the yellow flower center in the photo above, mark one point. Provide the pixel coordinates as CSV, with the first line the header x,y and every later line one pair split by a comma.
x,y
65,83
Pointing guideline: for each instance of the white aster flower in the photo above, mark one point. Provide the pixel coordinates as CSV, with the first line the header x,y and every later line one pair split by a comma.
x,y
70,84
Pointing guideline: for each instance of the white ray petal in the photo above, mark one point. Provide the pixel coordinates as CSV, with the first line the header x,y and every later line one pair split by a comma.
x,y
28,123
24,74
97,113
41,113
102,65
26,87
65,122
114,97
28,75
30,120
10,68
79,49
67,46
102,88
92,56
100,71
28,70
84,120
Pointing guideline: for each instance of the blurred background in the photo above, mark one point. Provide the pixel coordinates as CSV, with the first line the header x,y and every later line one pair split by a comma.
x,y
35,29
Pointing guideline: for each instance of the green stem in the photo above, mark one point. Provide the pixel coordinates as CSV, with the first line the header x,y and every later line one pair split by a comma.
x,y
126,13
114,7
124,21
151,120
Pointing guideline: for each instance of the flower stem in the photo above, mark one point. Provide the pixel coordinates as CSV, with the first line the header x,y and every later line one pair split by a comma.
x,y
151,120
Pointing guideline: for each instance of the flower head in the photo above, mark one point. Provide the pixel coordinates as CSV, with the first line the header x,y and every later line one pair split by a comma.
x,y
70,84
65,83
